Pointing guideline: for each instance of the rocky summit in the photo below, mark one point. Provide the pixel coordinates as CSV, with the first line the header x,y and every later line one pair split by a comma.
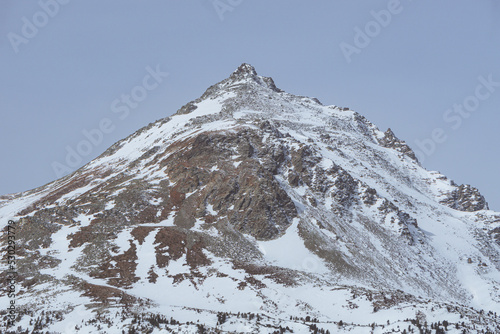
x,y
251,210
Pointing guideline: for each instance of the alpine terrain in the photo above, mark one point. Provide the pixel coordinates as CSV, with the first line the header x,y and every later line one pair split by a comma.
x,y
251,210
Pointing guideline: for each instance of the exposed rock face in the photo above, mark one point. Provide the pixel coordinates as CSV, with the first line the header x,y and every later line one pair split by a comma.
x,y
466,198
391,141
247,201
240,188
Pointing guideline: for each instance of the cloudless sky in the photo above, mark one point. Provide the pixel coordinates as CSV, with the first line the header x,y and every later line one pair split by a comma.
x,y
62,77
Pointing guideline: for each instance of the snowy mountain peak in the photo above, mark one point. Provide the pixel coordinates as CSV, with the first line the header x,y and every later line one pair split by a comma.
x,y
253,201
246,74
244,71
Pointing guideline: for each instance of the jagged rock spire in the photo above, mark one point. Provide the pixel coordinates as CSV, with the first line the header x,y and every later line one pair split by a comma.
x,y
244,71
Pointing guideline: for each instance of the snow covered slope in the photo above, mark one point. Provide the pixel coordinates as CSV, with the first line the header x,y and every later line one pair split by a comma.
x,y
254,210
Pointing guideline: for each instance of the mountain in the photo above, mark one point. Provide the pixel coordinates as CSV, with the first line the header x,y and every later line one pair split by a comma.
x,y
251,210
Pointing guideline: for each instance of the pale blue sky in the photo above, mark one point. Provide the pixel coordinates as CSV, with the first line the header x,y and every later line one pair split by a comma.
x,y
424,58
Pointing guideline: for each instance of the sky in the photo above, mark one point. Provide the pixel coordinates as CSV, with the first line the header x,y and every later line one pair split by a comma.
x,y
96,71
